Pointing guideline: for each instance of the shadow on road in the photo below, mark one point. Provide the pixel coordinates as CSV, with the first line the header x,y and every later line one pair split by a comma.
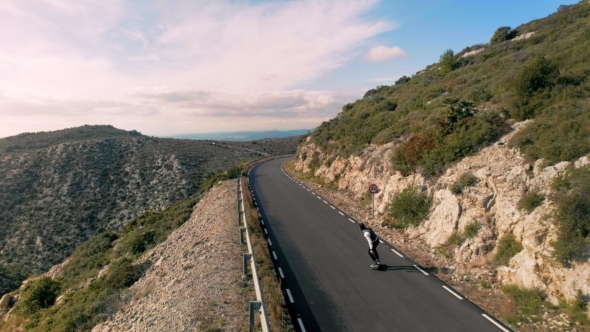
x,y
385,268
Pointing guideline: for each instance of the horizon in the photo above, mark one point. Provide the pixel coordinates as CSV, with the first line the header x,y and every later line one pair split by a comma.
x,y
198,67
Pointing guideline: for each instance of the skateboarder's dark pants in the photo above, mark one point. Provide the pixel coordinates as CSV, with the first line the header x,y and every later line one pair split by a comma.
x,y
375,254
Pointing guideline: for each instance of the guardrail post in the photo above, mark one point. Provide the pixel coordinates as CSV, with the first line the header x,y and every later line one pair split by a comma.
x,y
247,259
242,232
240,212
254,307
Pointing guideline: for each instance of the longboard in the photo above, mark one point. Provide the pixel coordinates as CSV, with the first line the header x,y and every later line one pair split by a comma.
x,y
374,267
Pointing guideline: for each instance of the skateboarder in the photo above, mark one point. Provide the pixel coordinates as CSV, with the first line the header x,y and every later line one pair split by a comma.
x,y
373,240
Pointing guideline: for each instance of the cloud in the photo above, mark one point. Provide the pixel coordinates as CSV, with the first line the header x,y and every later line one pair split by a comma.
x,y
383,53
131,62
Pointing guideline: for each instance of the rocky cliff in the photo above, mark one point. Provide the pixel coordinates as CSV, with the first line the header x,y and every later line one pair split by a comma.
x,y
503,176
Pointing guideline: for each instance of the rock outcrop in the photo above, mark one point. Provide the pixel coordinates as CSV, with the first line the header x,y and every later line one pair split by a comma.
x,y
503,177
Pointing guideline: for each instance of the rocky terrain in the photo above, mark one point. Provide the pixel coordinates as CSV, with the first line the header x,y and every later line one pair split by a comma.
x,y
503,176
195,280
59,188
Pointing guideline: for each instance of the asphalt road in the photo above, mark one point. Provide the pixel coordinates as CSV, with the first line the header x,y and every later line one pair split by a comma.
x,y
321,256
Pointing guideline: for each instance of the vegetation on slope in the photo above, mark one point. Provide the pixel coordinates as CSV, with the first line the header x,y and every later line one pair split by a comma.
x,y
542,77
89,299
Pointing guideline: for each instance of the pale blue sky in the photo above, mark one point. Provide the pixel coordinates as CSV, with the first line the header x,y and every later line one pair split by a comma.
x,y
190,66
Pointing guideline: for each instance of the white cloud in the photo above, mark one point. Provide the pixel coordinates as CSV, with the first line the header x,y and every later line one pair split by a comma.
x,y
383,53
141,64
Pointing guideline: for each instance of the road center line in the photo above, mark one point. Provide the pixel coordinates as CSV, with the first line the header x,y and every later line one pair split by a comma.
x,y
274,254
450,291
495,323
301,325
290,296
341,213
395,251
351,220
281,273
424,272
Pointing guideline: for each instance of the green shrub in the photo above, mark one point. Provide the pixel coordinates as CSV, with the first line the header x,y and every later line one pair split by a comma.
x,y
506,249
537,74
527,304
530,201
314,163
572,194
503,34
455,239
448,62
38,294
465,180
410,207
141,241
578,309
471,230
123,274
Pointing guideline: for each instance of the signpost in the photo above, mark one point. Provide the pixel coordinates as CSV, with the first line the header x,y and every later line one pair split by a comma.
x,y
373,189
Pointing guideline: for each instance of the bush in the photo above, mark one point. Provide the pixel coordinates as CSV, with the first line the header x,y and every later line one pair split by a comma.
x,y
471,230
314,163
142,241
123,274
530,201
410,207
448,62
503,34
455,239
465,180
508,247
572,194
578,309
537,74
38,294
526,303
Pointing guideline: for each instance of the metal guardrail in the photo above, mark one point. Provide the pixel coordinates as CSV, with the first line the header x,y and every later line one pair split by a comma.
x,y
257,305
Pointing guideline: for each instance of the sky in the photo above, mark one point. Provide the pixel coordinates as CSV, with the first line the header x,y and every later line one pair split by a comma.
x,y
194,66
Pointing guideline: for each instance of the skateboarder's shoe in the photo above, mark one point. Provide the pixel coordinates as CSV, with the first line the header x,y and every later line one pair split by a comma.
x,y
375,266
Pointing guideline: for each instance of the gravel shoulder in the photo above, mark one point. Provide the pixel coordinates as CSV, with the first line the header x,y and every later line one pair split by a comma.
x,y
195,281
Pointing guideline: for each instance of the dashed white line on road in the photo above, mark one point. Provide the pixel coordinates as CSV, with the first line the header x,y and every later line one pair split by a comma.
x,y
281,273
265,232
257,209
325,201
308,190
301,325
290,296
262,222
341,213
332,207
450,291
269,242
395,251
259,215
380,241
424,272
319,197
495,323
274,254
351,220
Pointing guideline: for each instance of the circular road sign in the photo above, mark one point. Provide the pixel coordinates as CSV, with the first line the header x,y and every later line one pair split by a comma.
x,y
373,189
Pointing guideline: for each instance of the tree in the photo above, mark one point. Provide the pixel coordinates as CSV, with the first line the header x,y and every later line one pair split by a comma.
x,y
503,34
448,62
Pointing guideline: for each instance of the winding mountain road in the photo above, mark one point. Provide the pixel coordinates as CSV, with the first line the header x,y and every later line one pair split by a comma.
x,y
321,257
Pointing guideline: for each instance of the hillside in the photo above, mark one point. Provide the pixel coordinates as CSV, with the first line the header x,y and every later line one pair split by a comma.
x,y
59,188
483,164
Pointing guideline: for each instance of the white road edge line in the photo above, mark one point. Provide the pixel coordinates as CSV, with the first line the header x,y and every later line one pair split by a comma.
x,y
424,272
380,241
301,325
450,291
351,220
274,254
495,323
259,215
395,251
332,207
269,242
290,296
325,201
308,190
319,197
262,222
281,273
341,213
265,232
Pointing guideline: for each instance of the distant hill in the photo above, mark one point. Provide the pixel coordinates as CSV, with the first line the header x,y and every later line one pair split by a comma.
x,y
244,135
59,188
